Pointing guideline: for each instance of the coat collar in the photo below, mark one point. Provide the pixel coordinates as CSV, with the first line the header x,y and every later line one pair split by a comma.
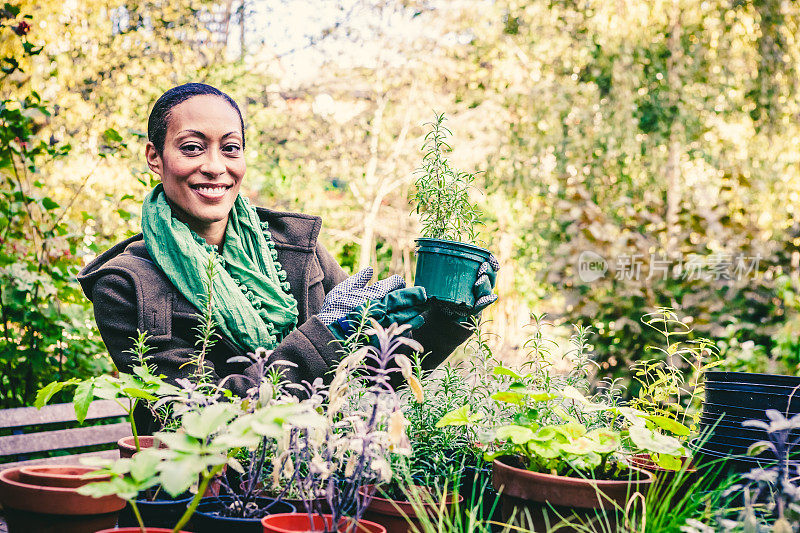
x,y
292,231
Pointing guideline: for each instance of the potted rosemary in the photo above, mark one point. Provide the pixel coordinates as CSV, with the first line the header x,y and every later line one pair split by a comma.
x,y
448,261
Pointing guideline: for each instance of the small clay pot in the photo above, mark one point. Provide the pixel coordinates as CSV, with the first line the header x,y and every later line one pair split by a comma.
x,y
545,496
43,508
67,476
664,477
127,446
302,523
400,516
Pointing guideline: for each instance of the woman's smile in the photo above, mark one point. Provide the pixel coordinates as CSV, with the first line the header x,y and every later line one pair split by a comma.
x,y
212,192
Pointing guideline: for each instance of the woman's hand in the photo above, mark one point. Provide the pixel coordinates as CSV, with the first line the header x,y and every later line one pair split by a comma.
x,y
401,306
481,291
353,292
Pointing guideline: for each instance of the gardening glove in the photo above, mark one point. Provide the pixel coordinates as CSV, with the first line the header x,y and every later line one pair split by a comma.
x,y
481,290
401,306
353,292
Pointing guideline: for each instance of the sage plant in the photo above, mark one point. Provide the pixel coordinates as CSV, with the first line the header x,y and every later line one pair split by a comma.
x,y
335,466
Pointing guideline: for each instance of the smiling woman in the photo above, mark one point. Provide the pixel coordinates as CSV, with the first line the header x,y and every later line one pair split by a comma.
x,y
275,286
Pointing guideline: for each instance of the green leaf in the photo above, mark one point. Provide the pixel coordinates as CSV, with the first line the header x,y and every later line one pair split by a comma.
x,y
177,476
144,465
517,434
47,392
457,417
135,392
606,440
668,424
205,422
509,397
667,462
49,204
652,441
84,394
112,136
503,371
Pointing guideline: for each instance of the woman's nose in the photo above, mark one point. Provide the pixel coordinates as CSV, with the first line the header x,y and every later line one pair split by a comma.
x,y
213,165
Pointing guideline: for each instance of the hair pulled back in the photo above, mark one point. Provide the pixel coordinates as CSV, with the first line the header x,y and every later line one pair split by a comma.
x,y
159,117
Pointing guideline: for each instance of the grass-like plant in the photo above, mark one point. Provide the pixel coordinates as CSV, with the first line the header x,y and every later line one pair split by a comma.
x,y
442,192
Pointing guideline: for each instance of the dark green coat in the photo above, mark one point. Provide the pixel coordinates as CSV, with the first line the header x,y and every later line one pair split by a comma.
x,y
130,292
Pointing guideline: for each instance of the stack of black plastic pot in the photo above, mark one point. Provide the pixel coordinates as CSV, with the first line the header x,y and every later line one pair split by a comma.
x,y
733,397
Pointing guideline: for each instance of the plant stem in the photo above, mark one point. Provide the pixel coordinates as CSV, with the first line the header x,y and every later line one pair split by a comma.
x,y
137,514
133,426
201,490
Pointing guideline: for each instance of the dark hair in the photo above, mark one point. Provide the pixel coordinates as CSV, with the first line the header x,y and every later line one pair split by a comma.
x,y
159,116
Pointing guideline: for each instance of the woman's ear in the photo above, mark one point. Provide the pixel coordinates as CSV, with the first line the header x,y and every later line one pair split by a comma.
x,y
153,159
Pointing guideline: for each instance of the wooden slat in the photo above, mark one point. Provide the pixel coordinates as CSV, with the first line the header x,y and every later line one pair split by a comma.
x,y
60,412
74,459
63,438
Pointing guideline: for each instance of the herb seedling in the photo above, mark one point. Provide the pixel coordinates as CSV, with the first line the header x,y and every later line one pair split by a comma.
x,y
442,192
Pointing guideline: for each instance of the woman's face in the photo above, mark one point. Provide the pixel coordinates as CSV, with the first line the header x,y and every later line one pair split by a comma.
x,y
203,162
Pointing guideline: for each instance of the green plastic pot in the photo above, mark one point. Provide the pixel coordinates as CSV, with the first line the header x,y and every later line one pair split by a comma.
x,y
448,269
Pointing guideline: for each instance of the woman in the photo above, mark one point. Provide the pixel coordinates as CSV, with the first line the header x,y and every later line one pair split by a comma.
x,y
275,286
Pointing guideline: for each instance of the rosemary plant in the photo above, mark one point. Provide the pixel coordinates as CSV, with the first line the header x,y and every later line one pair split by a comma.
x,y
442,192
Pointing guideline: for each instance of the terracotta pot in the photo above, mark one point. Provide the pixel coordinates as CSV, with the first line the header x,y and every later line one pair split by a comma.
x,y
68,476
137,530
549,499
302,523
400,516
37,506
127,446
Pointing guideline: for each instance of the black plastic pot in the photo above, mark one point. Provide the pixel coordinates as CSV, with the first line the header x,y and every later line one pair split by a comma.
x,y
750,377
751,387
733,412
207,520
753,400
161,512
447,270
739,431
710,457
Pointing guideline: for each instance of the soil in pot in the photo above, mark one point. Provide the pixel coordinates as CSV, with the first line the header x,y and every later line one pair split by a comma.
x,y
157,510
540,501
209,516
399,516
46,507
302,523
447,270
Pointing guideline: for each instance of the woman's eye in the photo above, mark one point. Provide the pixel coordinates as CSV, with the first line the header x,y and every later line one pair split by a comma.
x,y
231,148
191,148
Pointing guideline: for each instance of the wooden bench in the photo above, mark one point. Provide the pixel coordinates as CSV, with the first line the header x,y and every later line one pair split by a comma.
x,y
30,433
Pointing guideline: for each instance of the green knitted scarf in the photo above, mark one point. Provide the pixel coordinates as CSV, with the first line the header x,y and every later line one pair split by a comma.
x,y
252,305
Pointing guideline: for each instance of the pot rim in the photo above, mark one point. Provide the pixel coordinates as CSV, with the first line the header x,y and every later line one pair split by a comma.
x,y
326,517
215,499
56,497
750,375
469,246
569,480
